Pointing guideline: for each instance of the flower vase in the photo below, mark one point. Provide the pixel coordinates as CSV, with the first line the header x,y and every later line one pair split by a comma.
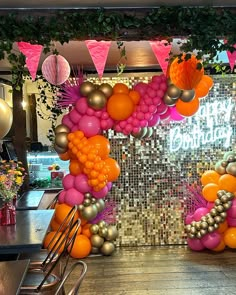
x,y
8,214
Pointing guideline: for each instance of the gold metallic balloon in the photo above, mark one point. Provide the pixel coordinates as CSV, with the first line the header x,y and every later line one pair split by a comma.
x,y
107,248
6,118
100,204
204,225
94,229
173,91
61,128
87,195
220,208
231,168
219,168
89,212
229,154
97,100
102,224
112,233
168,100
61,139
59,149
96,241
106,89
95,250
86,88
86,202
103,232
81,207
187,95
140,134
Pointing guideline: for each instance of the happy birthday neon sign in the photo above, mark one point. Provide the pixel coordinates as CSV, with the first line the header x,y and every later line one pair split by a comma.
x,y
210,125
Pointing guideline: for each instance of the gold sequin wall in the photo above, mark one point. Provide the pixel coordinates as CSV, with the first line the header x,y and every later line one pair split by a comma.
x,y
161,175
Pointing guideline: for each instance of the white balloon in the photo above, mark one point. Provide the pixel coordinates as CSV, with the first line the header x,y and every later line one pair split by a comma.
x,y
6,118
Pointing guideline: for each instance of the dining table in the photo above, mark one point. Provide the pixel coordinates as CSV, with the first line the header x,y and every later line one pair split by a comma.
x,y
27,234
12,274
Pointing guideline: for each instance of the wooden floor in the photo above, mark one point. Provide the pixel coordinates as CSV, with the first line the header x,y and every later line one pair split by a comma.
x,y
161,271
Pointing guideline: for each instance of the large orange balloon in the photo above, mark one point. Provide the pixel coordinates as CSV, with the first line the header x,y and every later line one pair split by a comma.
x,y
53,235
228,182
101,144
81,248
113,169
187,109
75,167
120,106
186,74
210,192
135,96
210,176
230,237
202,89
62,211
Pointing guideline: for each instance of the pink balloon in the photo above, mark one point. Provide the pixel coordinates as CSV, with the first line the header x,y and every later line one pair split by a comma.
x,y
105,115
118,128
143,123
81,105
166,115
89,125
154,121
195,244
61,198
151,92
232,211
140,115
136,129
144,108
110,123
156,79
98,114
154,85
162,108
100,194
163,86
189,218
175,116
90,112
73,197
160,93
109,186
67,121
104,124
74,116
68,181
199,213
211,240
74,128
157,100
81,183
231,221
141,88
210,205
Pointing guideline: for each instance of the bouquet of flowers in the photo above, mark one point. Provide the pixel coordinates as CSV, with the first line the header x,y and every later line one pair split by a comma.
x,y
12,175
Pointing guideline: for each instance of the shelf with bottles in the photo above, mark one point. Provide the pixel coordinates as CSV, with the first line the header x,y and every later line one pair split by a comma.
x,y
46,169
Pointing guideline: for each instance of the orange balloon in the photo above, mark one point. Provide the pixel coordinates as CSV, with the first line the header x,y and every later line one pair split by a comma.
x,y
210,176
227,182
54,235
61,212
54,225
65,156
202,89
75,167
230,237
81,248
113,169
185,74
120,106
101,144
208,80
220,247
135,96
210,192
86,230
120,88
222,227
187,109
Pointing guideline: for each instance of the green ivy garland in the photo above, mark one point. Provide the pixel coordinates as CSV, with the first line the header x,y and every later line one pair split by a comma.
x,y
203,27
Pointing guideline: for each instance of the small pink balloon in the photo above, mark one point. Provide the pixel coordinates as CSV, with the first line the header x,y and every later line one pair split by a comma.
x,y
199,213
232,211
90,125
74,116
210,205
100,194
104,124
81,183
154,121
157,100
98,114
174,115
105,115
140,115
68,181
160,93
154,85
118,128
211,240
110,123
90,112
195,244
143,123
162,108
74,128
148,101
141,88
123,124
135,122
166,115
148,116
152,109
109,186
231,221
151,92
61,198
81,105
163,86
189,218
67,121
156,79
73,197
128,128
144,108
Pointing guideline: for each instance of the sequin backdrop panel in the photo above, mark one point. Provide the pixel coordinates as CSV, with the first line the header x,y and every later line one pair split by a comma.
x,y
151,195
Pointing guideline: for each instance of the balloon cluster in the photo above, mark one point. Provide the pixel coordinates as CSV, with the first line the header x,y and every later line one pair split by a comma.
x,y
187,85
214,226
103,237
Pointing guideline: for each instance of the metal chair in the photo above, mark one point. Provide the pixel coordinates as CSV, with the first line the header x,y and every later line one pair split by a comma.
x,y
45,280
52,204
75,289
38,259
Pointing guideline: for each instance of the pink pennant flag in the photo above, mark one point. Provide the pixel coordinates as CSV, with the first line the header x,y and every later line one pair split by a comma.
x,y
32,53
98,51
161,49
232,58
